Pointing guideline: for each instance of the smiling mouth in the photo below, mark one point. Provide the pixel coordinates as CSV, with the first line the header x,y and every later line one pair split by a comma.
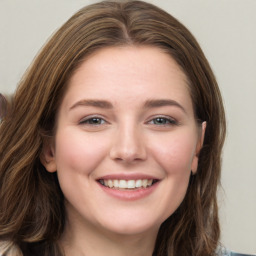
x,y
128,184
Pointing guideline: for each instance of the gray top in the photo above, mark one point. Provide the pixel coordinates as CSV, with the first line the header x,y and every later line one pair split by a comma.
x,y
221,251
224,252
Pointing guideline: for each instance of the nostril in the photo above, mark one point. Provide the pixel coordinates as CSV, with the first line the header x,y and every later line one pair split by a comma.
x,y
128,154
128,145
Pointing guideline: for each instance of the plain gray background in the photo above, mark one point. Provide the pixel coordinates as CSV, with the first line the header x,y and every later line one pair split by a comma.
x,y
226,30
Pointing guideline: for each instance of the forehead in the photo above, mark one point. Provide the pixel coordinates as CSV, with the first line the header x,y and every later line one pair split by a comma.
x,y
130,56
129,70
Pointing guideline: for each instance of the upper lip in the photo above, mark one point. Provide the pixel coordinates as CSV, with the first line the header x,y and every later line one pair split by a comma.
x,y
128,176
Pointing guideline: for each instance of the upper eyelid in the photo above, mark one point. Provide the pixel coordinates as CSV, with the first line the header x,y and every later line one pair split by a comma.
x,y
170,121
161,116
92,117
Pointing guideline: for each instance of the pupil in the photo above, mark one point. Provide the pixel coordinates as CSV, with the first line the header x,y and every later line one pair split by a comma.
x,y
95,121
160,121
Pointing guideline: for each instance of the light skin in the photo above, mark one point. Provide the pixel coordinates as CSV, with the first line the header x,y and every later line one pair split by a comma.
x,y
127,114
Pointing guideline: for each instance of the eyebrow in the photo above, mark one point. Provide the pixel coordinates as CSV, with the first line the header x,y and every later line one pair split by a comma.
x,y
152,103
93,103
162,103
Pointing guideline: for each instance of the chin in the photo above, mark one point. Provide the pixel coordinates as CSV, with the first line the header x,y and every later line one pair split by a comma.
x,y
132,225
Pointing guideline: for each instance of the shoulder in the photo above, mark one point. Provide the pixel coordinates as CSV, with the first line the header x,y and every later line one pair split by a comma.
x,y
222,251
8,248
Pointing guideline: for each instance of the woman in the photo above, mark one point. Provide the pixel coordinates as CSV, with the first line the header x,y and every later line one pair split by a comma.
x,y
113,141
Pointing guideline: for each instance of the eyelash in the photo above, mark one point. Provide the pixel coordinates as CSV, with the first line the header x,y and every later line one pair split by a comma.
x,y
164,121
98,121
90,121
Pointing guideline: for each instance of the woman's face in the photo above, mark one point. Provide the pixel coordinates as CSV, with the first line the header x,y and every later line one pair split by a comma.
x,y
126,140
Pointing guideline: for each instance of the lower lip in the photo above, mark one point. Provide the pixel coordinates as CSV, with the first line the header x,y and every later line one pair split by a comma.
x,y
129,195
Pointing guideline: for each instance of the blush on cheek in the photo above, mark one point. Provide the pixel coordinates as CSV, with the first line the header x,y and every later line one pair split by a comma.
x,y
77,153
175,155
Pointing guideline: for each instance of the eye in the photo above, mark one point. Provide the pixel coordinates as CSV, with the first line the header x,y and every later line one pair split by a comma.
x,y
163,121
94,121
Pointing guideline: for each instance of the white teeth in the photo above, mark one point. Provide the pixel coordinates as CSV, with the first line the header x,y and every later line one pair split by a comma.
x,y
110,183
144,183
122,184
127,184
130,184
150,182
116,183
138,183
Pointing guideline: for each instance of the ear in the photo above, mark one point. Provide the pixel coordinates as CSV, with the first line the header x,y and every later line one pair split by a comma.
x,y
47,156
199,145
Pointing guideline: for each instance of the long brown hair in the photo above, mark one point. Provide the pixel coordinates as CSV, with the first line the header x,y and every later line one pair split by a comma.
x,y
32,213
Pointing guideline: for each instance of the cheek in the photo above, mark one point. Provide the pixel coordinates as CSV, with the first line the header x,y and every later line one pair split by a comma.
x,y
175,156
78,153
175,153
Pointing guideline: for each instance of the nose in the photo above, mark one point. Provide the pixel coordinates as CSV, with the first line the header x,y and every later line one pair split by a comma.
x,y
128,145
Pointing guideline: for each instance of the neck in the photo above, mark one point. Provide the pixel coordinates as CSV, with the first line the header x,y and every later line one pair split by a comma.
x,y
88,240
